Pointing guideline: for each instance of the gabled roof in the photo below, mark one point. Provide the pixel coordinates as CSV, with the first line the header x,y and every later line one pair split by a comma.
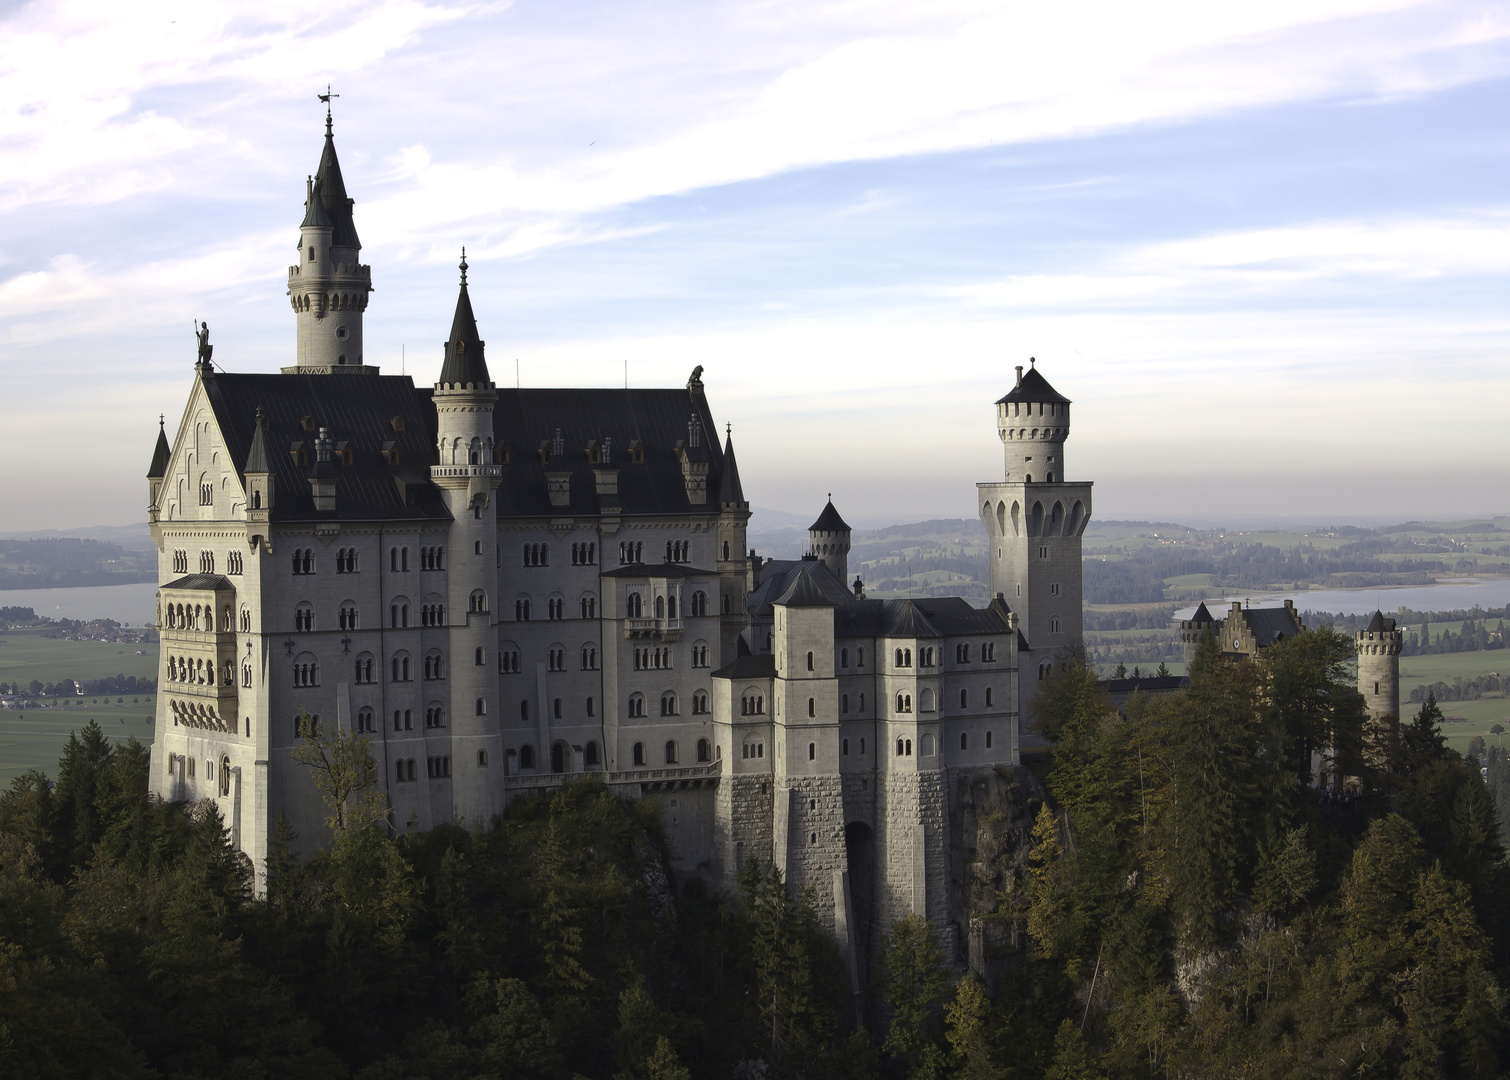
x,y
933,617
804,592
160,455
1268,625
359,411
829,520
464,361
333,200
729,488
1034,387
777,575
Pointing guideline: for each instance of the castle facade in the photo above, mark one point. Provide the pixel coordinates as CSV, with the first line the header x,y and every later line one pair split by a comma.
x,y
501,589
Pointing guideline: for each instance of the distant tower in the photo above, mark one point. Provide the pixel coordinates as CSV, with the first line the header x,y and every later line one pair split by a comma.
x,y
467,476
828,539
1193,629
1378,647
328,288
1034,519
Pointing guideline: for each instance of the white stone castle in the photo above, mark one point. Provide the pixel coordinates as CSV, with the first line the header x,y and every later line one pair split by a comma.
x,y
502,589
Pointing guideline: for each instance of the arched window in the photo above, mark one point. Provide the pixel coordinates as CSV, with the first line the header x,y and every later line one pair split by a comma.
x,y
225,775
964,740
844,658
481,706
660,607
810,661
479,658
558,757
702,750
366,721
304,618
482,759
639,753
478,601
590,755
812,751
811,707
526,756
671,758
634,605
899,658
668,704
901,707
925,700
927,746
964,699
636,705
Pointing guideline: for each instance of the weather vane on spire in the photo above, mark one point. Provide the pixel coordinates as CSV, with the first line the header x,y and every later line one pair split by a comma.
x,y
325,97
463,264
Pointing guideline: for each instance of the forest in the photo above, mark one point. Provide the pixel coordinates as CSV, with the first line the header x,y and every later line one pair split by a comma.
x,y
1192,905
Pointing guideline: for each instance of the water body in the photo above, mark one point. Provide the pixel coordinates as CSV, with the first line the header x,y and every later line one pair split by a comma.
x,y
1461,594
133,604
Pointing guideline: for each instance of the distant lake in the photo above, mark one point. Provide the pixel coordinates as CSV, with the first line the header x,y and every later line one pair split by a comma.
x,y
1461,594
134,604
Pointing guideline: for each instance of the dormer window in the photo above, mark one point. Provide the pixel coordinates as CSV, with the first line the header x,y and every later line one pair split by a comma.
x,y
637,452
397,423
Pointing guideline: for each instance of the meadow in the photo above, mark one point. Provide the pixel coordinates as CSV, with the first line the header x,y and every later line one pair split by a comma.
x,y
34,738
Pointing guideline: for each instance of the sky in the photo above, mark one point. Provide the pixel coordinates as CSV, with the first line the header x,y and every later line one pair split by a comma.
x,y
1263,247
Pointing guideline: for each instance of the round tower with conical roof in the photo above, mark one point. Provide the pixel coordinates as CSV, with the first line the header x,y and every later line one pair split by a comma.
x,y
328,287
828,540
1033,421
468,474
1378,646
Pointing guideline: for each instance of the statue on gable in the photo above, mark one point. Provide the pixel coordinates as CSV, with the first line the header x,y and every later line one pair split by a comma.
x,y
205,348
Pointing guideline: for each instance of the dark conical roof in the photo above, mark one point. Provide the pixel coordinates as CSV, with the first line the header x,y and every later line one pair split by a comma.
x,y
829,520
256,457
160,455
1379,624
729,488
1202,614
464,360
1034,387
804,592
314,210
332,189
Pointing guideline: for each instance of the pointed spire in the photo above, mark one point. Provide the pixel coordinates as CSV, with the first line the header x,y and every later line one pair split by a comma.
x,y
829,520
256,457
331,189
464,361
160,455
729,488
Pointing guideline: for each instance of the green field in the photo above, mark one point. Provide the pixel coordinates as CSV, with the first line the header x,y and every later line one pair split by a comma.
x,y
1465,719
34,738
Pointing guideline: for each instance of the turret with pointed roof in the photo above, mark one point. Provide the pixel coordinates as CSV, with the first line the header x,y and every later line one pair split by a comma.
x,y
1379,645
464,363
730,492
329,286
258,473
157,470
828,540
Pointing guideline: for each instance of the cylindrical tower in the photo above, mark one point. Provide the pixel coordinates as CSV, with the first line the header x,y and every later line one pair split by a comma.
x,y
329,286
1033,422
1378,647
467,475
828,539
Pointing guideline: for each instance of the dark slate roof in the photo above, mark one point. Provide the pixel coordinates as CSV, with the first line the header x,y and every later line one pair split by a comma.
x,y
356,409
1149,684
758,666
159,467
729,488
1379,624
333,200
523,419
934,617
804,592
202,582
829,521
658,570
1202,614
777,575
1034,387
1269,625
314,210
464,361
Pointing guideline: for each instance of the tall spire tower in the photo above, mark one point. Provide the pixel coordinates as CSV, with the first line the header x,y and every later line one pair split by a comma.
x,y
329,286
468,474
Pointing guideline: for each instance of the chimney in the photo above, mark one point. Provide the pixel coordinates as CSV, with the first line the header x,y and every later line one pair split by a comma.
x,y
1019,376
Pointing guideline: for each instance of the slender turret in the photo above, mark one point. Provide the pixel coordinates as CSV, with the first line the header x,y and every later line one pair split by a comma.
x,y
329,286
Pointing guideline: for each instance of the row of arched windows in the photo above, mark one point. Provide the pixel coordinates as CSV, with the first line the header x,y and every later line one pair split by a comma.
x,y
180,562
432,558
206,562
346,561
584,554
537,554
198,671
304,561
678,551
631,551
671,753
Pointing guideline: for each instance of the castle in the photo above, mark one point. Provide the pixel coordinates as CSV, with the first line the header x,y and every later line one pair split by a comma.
x,y
501,589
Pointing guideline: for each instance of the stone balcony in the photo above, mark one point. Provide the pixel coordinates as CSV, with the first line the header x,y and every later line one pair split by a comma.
x,y
653,629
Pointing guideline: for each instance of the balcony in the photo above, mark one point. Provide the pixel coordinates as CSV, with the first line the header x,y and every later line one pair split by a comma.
x,y
465,472
654,629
